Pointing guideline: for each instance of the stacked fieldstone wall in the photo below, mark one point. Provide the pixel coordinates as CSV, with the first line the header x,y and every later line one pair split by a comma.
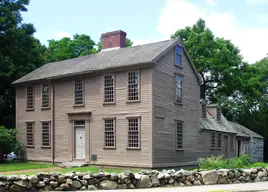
x,y
128,180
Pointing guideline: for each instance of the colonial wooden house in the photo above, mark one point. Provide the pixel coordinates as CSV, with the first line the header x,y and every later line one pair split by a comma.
x,y
136,106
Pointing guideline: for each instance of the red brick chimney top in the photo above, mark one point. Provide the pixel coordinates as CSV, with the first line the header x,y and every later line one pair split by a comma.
x,y
113,39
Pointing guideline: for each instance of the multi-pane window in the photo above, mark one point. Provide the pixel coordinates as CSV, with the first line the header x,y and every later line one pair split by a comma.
x,y
179,135
178,55
219,141
45,95
109,89
133,133
213,140
218,113
232,142
30,134
109,133
133,86
178,90
46,134
79,92
30,97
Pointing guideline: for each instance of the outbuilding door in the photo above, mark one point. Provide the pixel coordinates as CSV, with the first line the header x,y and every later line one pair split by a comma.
x,y
225,145
79,127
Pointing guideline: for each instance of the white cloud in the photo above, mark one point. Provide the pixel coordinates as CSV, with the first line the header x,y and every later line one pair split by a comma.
x,y
262,18
254,2
178,14
61,34
211,2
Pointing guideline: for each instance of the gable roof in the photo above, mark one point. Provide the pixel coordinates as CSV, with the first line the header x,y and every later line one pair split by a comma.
x,y
211,124
113,59
243,131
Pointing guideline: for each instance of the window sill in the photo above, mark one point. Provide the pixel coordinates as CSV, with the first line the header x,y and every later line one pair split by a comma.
x,y
45,147
180,104
179,149
133,148
28,146
179,66
29,109
134,101
109,148
80,105
45,108
113,103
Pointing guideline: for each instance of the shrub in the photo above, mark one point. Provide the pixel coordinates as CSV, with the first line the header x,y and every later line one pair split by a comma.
x,y
8,141
221,163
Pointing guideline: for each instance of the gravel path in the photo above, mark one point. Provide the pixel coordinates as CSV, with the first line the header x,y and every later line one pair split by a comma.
x,y
249,187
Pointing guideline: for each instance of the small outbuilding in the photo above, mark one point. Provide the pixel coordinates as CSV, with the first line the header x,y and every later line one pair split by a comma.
x,y
248,142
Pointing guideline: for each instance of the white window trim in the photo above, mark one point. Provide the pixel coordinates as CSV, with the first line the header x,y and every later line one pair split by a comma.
x,y
30,109
139,132
83,86
49,129
114,88
176,132
139,85
33,133
42,107
114,131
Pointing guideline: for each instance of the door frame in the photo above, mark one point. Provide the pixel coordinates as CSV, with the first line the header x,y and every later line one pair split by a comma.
x,y
75,155
226,146
76,116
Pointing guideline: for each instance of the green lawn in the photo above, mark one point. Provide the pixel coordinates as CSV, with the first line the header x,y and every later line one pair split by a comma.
x,y
85,169
17,166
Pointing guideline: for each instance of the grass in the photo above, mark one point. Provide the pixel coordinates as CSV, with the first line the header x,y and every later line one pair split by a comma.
x,y
83,169
17,166
232,163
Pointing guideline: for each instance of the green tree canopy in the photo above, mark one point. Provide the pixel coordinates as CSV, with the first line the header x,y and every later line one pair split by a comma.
x,y
8,141
67,48
217,60
20,53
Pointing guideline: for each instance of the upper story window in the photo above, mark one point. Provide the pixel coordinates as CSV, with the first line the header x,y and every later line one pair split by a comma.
x,y
30,97
179,135
178,53
79,92
213,140
178,90
45,96
109,133
30,134
109,89
133,86
134,133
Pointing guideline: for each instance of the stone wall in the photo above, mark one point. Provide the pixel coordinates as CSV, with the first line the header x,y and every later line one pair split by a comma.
x,y
128,180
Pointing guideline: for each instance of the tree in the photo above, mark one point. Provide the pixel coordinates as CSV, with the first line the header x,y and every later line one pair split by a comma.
x,y
8,141
67,48
217,60
20,53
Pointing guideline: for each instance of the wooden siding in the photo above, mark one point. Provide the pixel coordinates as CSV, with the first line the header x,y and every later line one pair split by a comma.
x,y
94,91
164,138
37,116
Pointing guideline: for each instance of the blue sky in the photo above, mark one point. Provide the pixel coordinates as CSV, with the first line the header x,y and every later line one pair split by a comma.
x,y
245,22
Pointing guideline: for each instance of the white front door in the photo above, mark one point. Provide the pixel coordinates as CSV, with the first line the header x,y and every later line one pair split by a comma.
x,y
79,127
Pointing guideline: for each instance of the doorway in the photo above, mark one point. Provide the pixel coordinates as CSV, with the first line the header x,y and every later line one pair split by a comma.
x,y
238,148
225,140
79,128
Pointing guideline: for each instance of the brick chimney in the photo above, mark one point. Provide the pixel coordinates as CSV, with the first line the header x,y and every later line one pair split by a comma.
x,y
114,39
215,111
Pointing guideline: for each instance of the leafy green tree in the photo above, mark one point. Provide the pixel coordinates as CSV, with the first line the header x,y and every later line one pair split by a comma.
x,y
217,60
8,141
68,48
20,53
